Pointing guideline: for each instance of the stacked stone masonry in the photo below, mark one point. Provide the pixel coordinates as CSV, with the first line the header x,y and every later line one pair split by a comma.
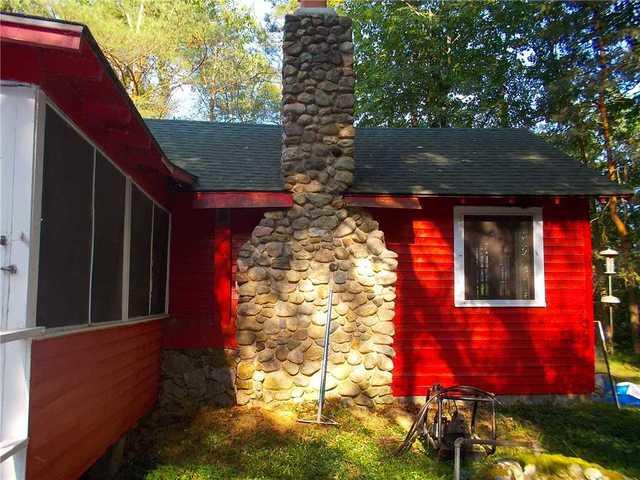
x,y
193,377
284,272
317,112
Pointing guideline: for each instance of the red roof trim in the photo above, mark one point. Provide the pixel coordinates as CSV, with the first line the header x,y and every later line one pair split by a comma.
x,y
40,33
383,201
242,200
283,200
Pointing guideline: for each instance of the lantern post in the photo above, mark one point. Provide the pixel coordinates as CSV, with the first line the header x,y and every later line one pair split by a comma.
x,y
610,300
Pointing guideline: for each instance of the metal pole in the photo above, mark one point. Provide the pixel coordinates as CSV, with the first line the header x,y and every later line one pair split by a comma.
x,y
325,355
459,442
606,361
611,328
456,457
611,315
320,419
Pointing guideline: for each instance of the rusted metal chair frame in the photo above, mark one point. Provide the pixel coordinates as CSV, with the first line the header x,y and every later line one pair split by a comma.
x,y
439,396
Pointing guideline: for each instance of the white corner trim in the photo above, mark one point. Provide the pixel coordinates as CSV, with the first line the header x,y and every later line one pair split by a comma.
x,y
459,212
19,151
10,447
7,336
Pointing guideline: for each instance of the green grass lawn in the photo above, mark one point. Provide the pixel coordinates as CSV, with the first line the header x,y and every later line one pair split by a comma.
x,y
270,444
625,367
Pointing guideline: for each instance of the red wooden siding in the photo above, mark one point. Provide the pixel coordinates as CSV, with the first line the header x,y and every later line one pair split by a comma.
x,y
87,390
222,277
191,285
505,350
203,255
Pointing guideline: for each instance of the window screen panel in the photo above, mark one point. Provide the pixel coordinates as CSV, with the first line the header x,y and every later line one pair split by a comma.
x,y
65,230
498,253
159,263
108,241
140,253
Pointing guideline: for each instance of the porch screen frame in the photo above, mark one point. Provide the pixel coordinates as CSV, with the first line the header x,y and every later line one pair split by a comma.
x,y
459,214
126,319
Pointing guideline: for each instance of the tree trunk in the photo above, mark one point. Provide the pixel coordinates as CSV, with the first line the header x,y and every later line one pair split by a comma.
x,y
634,319
612,173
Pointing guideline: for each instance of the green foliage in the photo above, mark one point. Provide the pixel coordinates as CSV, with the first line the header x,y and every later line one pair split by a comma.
x,y
235,79
157,47
441,63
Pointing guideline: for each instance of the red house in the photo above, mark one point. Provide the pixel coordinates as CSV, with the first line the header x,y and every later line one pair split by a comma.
x,y
463,256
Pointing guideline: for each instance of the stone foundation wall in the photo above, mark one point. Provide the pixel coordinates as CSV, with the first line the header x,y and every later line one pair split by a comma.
x,y
284,272
193,377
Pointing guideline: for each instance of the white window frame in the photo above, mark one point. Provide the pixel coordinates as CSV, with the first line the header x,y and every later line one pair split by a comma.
x,y
459,213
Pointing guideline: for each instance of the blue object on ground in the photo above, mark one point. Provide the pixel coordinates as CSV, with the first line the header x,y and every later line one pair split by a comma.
x,y
628,394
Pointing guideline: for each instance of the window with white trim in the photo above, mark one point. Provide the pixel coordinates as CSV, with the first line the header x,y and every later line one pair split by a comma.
x,y
498,257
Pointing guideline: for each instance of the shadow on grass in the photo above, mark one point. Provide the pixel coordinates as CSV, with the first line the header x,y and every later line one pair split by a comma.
x,y
254,443
595,432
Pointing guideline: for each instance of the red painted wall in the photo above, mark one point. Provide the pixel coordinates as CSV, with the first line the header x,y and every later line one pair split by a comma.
x,y
87,390
506,350
204,247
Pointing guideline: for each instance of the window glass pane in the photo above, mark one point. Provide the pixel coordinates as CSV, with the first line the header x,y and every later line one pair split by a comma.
x,y
140,253
106,286
65,234
498,252
159,264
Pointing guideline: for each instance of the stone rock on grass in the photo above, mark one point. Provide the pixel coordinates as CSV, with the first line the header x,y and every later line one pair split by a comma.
x,y
506,470
363,401
592,473
530,472
575,471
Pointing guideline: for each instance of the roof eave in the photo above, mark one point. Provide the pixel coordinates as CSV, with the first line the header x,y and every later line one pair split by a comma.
x,y
65,35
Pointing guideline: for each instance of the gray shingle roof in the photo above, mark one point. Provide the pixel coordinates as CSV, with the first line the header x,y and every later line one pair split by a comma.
x,y
444,161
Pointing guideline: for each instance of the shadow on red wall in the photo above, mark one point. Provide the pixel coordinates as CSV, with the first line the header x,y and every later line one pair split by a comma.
x,y
540,350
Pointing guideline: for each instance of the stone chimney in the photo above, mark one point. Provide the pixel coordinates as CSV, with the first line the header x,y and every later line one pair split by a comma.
x,y
284,271
318,88
313,4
